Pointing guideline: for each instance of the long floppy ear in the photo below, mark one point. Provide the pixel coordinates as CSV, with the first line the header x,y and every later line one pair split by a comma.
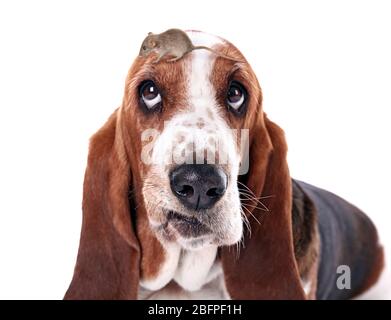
x,y
107,264
266,267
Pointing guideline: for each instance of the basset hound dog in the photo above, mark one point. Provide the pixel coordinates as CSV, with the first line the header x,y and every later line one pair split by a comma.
x,y
166,216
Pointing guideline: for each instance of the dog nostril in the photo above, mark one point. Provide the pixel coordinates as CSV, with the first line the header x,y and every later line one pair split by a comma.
x,y
185,191
214,192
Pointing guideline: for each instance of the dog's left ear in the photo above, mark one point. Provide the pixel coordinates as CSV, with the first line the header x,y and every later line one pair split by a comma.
x,y
266,267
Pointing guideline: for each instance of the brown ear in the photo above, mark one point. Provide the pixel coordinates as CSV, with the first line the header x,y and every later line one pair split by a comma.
x,y
266,267
107,264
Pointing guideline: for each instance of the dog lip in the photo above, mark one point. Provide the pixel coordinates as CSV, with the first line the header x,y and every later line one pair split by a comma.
x,y
173,215
189,227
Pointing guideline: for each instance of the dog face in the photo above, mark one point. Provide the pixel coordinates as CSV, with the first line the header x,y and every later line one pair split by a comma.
x,y
193,118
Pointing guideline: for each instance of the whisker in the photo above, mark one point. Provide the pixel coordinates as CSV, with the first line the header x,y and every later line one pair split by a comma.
x,y
256,201
246,222
245,192
254,206
246,196
246,187
251,192
249,206
249,212
249,195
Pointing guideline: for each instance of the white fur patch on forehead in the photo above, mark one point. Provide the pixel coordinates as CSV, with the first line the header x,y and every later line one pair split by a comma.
x,y
199,38
201,91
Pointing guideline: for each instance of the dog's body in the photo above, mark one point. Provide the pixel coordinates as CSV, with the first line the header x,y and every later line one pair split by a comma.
x,y
346,238
157,225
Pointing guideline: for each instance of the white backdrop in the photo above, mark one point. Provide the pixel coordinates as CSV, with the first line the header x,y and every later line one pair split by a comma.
x,y
324,67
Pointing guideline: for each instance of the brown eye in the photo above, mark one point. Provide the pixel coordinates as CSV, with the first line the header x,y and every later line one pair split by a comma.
x,y
144,47
236,96
150,95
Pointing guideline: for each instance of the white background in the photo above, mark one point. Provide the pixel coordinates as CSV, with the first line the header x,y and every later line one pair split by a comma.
x,y
324,67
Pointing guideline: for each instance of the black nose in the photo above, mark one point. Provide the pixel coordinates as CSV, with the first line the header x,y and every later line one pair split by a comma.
x,y
198,186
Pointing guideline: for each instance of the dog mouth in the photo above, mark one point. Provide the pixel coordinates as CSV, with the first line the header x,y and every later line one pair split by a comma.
x,y
194,232
173,215
187,227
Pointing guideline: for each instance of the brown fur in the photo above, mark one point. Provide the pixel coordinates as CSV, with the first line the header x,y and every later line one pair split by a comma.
x,y
266,268
108,251
117,246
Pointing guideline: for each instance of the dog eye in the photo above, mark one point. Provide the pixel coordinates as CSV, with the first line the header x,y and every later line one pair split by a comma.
x,y
236,96
150,95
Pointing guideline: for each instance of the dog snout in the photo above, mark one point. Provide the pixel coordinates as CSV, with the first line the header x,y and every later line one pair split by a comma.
x,y
198,186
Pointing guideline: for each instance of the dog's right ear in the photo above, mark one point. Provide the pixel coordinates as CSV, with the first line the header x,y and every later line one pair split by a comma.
x,y
107,264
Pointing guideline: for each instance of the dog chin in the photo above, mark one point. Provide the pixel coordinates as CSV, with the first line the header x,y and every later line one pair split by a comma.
x,y
195,244
204,242
190,233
